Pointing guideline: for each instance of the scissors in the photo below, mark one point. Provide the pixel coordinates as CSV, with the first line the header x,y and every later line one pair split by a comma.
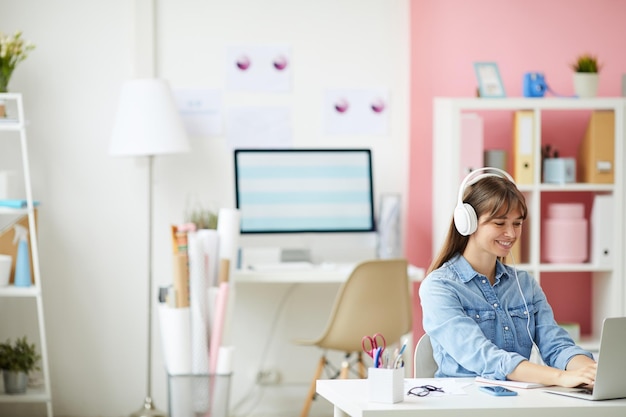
x,y
374,346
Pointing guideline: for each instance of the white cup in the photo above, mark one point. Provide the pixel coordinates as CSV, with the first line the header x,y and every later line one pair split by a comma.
x,y
5,269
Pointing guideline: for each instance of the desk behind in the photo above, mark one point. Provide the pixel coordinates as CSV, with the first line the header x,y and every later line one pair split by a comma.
x,y
321,273
270,310
350,398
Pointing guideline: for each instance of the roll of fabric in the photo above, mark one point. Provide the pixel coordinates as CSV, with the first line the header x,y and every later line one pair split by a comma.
x,y
228,226
202,248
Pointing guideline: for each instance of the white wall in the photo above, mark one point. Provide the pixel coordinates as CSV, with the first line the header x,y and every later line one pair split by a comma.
x,y
92,224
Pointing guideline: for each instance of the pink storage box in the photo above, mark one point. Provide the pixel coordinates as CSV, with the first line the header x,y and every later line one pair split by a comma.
x,y
566,211
565,233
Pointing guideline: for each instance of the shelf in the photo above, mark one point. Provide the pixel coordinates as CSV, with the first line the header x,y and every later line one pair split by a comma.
x,y
523,103
604,294
9,210
584,267
10,125
558,267
32,395
565,188
17,127
576,187
13,291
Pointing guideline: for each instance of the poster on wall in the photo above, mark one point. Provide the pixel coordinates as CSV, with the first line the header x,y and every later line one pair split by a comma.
x,y
356,111
259,127
259,68
201,111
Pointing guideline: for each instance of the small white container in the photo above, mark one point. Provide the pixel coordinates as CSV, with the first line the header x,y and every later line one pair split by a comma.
x,y
559,170
386,385
5,269
6,186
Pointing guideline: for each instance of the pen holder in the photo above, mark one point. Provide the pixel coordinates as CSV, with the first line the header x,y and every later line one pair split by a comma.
x,y
386,385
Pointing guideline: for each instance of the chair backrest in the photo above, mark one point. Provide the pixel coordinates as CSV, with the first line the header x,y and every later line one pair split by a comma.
x,y
424,365
376,298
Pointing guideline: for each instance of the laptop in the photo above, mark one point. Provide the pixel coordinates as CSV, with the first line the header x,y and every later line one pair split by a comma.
x,y
610,376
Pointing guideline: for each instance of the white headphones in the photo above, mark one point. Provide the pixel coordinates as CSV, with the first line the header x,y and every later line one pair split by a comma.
x,y
465,219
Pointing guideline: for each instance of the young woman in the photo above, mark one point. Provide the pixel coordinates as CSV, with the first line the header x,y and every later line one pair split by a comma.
x,y
483,316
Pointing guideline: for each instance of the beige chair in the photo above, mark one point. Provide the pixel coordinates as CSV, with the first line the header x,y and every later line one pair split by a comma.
x,y
424,365
375,299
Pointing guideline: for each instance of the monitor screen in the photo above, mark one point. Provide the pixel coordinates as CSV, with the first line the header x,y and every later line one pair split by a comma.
x,y
304,190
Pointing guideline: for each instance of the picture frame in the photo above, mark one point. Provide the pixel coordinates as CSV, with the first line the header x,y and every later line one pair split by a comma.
x,y
489,80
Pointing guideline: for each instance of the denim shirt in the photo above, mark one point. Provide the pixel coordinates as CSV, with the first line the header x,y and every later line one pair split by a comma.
x,y
481,330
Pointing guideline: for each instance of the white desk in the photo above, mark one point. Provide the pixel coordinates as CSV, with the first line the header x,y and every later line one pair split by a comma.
x,y
322,273
270,310
350,398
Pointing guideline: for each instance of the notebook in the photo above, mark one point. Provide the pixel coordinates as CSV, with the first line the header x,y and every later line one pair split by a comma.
x,y
610,381
507,383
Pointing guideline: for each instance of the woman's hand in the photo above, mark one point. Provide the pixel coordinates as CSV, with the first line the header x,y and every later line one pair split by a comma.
x,y
585,375
581,370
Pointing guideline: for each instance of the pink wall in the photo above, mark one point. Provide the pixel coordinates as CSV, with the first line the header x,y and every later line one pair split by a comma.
x,y
447,36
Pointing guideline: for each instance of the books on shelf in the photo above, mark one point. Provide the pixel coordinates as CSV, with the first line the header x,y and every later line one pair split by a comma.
x,y
524,145
596,154
601,230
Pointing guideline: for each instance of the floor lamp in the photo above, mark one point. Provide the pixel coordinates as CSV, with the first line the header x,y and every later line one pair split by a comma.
x,y
148,124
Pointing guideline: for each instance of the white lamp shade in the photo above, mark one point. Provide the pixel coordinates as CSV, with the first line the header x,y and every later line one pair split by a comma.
x,y
147,121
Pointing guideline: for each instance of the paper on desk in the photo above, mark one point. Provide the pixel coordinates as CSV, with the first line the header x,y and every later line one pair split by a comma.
x,y
450,386
513,384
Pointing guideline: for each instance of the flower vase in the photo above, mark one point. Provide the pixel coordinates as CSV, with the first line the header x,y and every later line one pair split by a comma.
x,y
4,88
586,84
4,81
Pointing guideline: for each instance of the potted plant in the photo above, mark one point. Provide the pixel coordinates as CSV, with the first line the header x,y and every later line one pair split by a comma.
x,y
16,361
13,50
586,69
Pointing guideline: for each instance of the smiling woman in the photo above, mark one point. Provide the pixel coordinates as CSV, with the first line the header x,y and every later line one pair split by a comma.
x,y
483,316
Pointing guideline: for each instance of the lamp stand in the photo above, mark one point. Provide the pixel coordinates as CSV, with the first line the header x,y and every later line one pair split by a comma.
x,y
148,409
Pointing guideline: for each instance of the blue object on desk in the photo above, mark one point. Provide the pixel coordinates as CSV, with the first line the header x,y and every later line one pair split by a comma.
x,y
498,391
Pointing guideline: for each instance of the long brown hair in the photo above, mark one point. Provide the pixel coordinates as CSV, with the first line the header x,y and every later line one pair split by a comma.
x,y
494,195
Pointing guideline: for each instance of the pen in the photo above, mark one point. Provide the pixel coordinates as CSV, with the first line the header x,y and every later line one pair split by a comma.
x,y
398,361
377,353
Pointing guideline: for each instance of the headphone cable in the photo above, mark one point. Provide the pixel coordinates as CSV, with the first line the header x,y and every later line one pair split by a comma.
x,y
519,287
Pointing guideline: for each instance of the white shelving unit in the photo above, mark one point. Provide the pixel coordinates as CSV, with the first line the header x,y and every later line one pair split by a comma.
x,y
609,291
12,128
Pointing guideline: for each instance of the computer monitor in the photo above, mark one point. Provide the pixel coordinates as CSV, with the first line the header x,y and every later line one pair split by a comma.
x,y
304,190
